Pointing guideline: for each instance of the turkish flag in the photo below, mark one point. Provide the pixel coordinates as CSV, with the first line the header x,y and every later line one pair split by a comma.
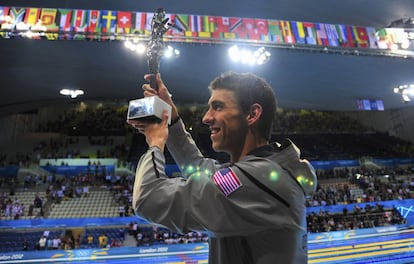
x,y
261,26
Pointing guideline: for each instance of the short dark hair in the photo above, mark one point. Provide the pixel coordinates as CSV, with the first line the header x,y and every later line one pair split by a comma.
x,y
250,89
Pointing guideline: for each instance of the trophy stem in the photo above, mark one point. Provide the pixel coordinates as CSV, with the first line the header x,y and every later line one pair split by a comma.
x,y
151,108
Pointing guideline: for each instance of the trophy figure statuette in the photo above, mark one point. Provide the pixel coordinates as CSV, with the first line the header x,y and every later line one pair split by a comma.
x,y
151,108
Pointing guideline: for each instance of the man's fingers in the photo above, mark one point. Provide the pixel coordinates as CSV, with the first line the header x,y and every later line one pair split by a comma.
x,y
165,118
148,89
159,80
147,76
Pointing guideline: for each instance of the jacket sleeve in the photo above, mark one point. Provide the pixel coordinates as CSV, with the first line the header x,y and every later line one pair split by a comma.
x,y
185,152
168,201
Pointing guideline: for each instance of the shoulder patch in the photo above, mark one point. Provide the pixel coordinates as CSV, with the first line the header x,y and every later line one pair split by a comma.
x,y
226,180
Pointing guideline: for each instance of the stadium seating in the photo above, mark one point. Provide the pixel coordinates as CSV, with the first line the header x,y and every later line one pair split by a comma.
x,y
97,204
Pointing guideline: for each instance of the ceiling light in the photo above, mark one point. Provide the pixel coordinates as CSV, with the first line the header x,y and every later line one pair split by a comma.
x,y
169,52
140,47
405,44
71,93
249,56
406,91
406,98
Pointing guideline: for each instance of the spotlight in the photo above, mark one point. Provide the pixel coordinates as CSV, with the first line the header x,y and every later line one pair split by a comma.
x,y
249,56
71,93
406,91
169,52
140,48
406,98
135,45
405,44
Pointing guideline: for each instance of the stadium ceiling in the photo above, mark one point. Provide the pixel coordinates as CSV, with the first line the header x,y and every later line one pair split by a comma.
x,y
33,71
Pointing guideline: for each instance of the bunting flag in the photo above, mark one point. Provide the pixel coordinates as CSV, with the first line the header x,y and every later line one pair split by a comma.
x,y
237,27
32,16
275,31
287,32
223,24
108,21
298,32
340,29
94,26
249,26
262,27
310,33
170,18
208,27
139,20
64,20
16,16
4,12
80,20
48,19
81,24
124,23
322,38
181,22
361,37
350,37
209,24
148,22
382,39
332,34
196,23
372,36
235,24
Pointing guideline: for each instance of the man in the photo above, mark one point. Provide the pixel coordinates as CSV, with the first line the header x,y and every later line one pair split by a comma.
x,y
42,243
252,208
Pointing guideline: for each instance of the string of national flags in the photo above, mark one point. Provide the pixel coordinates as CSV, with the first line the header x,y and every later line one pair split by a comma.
x,y
59,24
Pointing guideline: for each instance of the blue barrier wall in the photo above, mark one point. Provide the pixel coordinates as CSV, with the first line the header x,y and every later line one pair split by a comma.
x,y
102,254
70,222
9,171
73,170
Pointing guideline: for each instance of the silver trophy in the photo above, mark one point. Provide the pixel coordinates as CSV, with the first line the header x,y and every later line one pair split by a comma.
x,y
151,108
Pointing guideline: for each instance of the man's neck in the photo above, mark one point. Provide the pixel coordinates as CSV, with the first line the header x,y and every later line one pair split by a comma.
x,y
247,148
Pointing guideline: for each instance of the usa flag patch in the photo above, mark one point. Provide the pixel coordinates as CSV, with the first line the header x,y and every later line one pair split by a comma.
x,y
226,180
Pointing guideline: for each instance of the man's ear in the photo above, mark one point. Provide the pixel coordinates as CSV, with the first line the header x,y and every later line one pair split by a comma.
x,y
254,114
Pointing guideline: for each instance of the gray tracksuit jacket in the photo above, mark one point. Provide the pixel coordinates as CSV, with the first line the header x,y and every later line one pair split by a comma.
x,y
253,210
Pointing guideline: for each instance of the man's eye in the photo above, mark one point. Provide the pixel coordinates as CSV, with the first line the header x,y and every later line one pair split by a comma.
x,y
217,107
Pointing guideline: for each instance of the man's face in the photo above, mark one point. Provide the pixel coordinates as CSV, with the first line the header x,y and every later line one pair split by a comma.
x,y
224,118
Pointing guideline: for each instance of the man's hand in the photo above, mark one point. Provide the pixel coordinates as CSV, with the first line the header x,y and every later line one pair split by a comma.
x,y
156,134
161,93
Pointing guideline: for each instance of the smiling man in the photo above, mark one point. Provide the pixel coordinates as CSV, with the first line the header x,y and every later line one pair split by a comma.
x,y
252,208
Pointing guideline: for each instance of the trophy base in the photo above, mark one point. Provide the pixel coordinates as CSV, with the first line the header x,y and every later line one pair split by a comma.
x,y
148,109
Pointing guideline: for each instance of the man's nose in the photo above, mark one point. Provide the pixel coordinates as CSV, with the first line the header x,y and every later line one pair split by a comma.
x,y
207,118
